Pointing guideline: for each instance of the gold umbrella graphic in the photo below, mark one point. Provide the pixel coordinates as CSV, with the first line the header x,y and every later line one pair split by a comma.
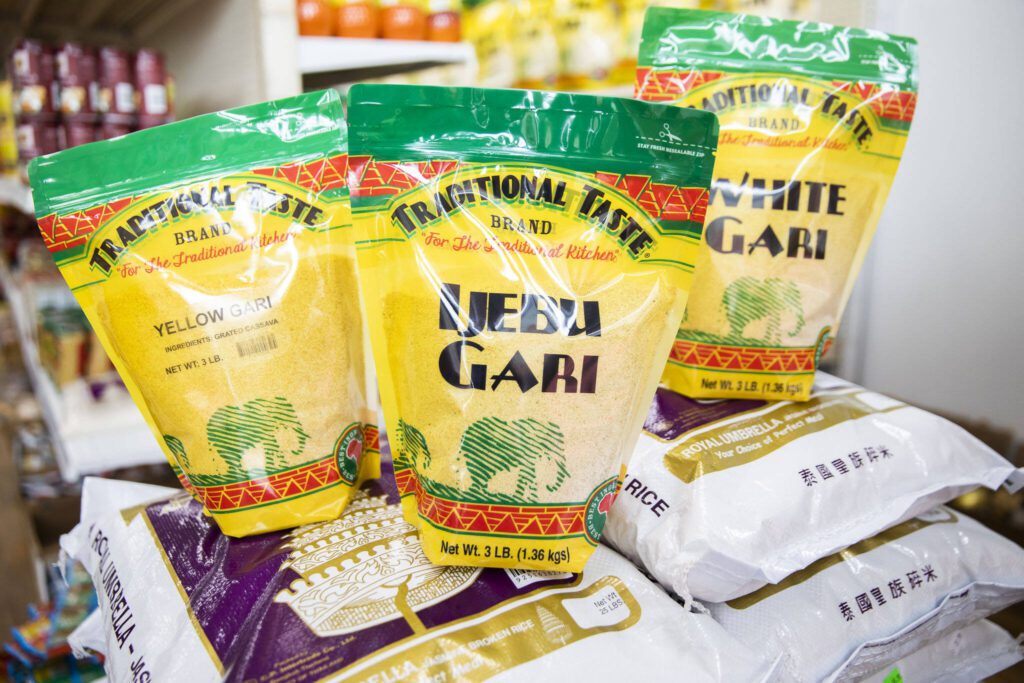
x,y
363,569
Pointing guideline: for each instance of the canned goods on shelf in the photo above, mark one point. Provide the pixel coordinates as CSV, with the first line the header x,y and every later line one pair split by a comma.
x,y
117,86
36,136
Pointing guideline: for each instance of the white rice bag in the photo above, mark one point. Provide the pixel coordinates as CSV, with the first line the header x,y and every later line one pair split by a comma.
x,y
723,497
966,656
356,599
852,613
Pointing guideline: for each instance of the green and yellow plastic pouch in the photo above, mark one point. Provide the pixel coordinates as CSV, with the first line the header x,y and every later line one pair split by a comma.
x,y
525,260
215,260
813,119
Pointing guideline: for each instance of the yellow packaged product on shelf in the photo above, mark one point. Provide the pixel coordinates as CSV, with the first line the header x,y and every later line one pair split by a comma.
x,y
489,27
813,119
587,34
8,140
525,258
214,259
536,45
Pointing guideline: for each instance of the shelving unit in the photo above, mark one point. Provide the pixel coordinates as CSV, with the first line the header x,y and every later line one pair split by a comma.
x,y
344,55
15,193
90,436
234,52
98,21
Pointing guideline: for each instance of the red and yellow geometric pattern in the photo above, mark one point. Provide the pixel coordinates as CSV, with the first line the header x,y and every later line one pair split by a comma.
x,y
665,202
383,178
406,481
667,86
486,518
73,229
276,488
314,176
183,480
270,489
371,439
888,103
743,358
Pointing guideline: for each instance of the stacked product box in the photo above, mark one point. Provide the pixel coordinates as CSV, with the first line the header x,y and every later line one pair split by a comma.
x,y
72,94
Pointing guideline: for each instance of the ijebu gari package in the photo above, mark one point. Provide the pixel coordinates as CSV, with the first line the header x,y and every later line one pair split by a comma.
x,y
525,258
814,119
214,259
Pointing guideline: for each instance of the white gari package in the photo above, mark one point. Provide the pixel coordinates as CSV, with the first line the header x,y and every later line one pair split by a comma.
x,y
722,497
968,655
356,599
859,610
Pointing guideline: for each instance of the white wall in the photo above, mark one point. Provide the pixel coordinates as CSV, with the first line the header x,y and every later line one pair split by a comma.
x,y
938,318
227,53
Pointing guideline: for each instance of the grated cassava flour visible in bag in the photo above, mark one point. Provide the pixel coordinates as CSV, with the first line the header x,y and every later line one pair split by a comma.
x,y
852,613
971,654
524,258
722,497
355,599
215,261
814,120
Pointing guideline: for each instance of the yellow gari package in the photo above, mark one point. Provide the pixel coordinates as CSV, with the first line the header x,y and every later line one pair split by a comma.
x,y
813,119
214,259
525,259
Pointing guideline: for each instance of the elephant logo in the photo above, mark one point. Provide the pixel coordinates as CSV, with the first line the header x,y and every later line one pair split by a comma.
x,y
509,461
412,448
411,452
764,304
261,436
177,449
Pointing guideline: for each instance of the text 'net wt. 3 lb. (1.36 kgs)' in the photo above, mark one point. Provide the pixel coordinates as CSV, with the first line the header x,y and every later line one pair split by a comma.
x,y
813,119
525,259
215,261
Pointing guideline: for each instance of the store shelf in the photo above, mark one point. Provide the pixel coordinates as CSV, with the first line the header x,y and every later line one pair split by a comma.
x,y
614,91
15,193
100,21
90,436
327,55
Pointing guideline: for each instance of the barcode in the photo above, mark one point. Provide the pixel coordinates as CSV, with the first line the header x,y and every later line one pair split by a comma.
x,y
251,347
524,577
